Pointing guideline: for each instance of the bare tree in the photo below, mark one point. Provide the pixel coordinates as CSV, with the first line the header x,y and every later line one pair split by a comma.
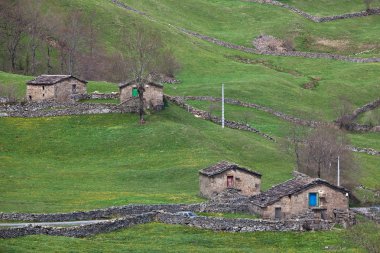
x,y
12,29
36,29
293,141
143,53
319,152
368,4
343,110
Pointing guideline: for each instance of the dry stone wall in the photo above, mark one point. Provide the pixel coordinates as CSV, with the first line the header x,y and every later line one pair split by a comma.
x,y
244,225
317,19
80,231
207,116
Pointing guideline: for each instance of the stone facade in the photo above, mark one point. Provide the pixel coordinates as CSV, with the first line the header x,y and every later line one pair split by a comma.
x,y
293,198
58,88
153,95
223,175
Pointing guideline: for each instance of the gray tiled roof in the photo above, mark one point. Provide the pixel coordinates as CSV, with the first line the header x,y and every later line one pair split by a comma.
x,y
224,166
51,79
122,85
290,187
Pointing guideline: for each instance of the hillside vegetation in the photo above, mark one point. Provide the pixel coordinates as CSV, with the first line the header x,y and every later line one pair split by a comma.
x,y
84,162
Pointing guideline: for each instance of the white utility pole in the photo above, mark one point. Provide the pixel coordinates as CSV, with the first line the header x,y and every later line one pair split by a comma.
x,y
338,179
222,105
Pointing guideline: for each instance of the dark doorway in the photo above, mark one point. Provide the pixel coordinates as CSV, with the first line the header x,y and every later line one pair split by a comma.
x,y
277,213
230,181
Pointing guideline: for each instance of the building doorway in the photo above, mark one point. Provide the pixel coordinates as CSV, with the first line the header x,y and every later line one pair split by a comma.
x,y
230,181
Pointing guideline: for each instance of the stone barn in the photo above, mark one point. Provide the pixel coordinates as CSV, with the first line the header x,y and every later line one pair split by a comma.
x,y
59,88
225,175
153,95
300,196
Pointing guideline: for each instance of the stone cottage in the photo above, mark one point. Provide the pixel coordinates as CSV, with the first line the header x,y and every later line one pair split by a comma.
x,y
153,95
59,88
224,175
299,196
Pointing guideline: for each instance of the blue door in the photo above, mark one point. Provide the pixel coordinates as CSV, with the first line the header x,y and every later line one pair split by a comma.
x,y
313,199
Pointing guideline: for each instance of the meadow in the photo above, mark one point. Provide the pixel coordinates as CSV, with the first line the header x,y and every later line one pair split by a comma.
x,y
85,162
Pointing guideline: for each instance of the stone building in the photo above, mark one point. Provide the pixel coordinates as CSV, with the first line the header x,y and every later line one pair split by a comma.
x,y
300,196
59,88
153,95
224,175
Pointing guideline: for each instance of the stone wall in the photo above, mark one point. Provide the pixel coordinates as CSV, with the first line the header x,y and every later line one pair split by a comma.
x,y
244,225
100,213
316,18
80,231
51,108
246,183
292,119
206,115
290,53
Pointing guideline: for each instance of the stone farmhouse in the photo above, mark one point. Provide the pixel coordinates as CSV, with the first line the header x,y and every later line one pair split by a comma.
x,y
58,88
153,94
225,175
299,196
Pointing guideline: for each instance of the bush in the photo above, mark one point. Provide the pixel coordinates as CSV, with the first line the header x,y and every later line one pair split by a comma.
x,y
8,92
366,234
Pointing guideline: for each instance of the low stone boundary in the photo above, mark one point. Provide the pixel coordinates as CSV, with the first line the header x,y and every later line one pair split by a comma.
x,y
99,213
97,95
317,19
371,213
202,222
292,119
244,225
80,231
207,116
290,53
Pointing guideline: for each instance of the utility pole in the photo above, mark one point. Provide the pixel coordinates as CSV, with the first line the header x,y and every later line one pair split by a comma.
x,y
338,177
222,105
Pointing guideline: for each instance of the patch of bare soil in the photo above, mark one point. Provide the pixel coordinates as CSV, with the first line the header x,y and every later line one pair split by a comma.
x,y
268,43
335,44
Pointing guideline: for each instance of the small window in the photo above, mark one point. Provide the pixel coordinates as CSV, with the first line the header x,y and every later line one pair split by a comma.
x,y
135,92
74,88
313,199
277,213
43,87
30,98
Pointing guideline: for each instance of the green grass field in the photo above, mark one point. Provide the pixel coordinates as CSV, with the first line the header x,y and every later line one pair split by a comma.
x,y
85,162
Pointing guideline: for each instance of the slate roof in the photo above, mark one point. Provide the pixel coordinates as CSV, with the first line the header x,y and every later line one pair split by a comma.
x,y
122,85
224,166
290,187
51,79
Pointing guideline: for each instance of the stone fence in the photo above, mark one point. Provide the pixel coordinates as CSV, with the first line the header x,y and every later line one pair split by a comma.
x,y
244,225
97,95
79,231
49,109
106,213
290,53
292,119
207,116
316,18
202,222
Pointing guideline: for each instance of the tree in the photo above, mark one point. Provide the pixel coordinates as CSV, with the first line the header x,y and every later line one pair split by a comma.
x,y
35,29
368,4
144,55
319,152
12,29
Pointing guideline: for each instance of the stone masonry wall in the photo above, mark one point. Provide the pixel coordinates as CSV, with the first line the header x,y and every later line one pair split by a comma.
x,y
79,231
316,18
244,225
206,115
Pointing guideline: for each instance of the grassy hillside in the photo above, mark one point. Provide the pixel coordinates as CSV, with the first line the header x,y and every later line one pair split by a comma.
x,y
85,162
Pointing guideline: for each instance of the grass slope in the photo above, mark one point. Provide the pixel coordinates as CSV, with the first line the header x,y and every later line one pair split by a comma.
x,y
84,162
